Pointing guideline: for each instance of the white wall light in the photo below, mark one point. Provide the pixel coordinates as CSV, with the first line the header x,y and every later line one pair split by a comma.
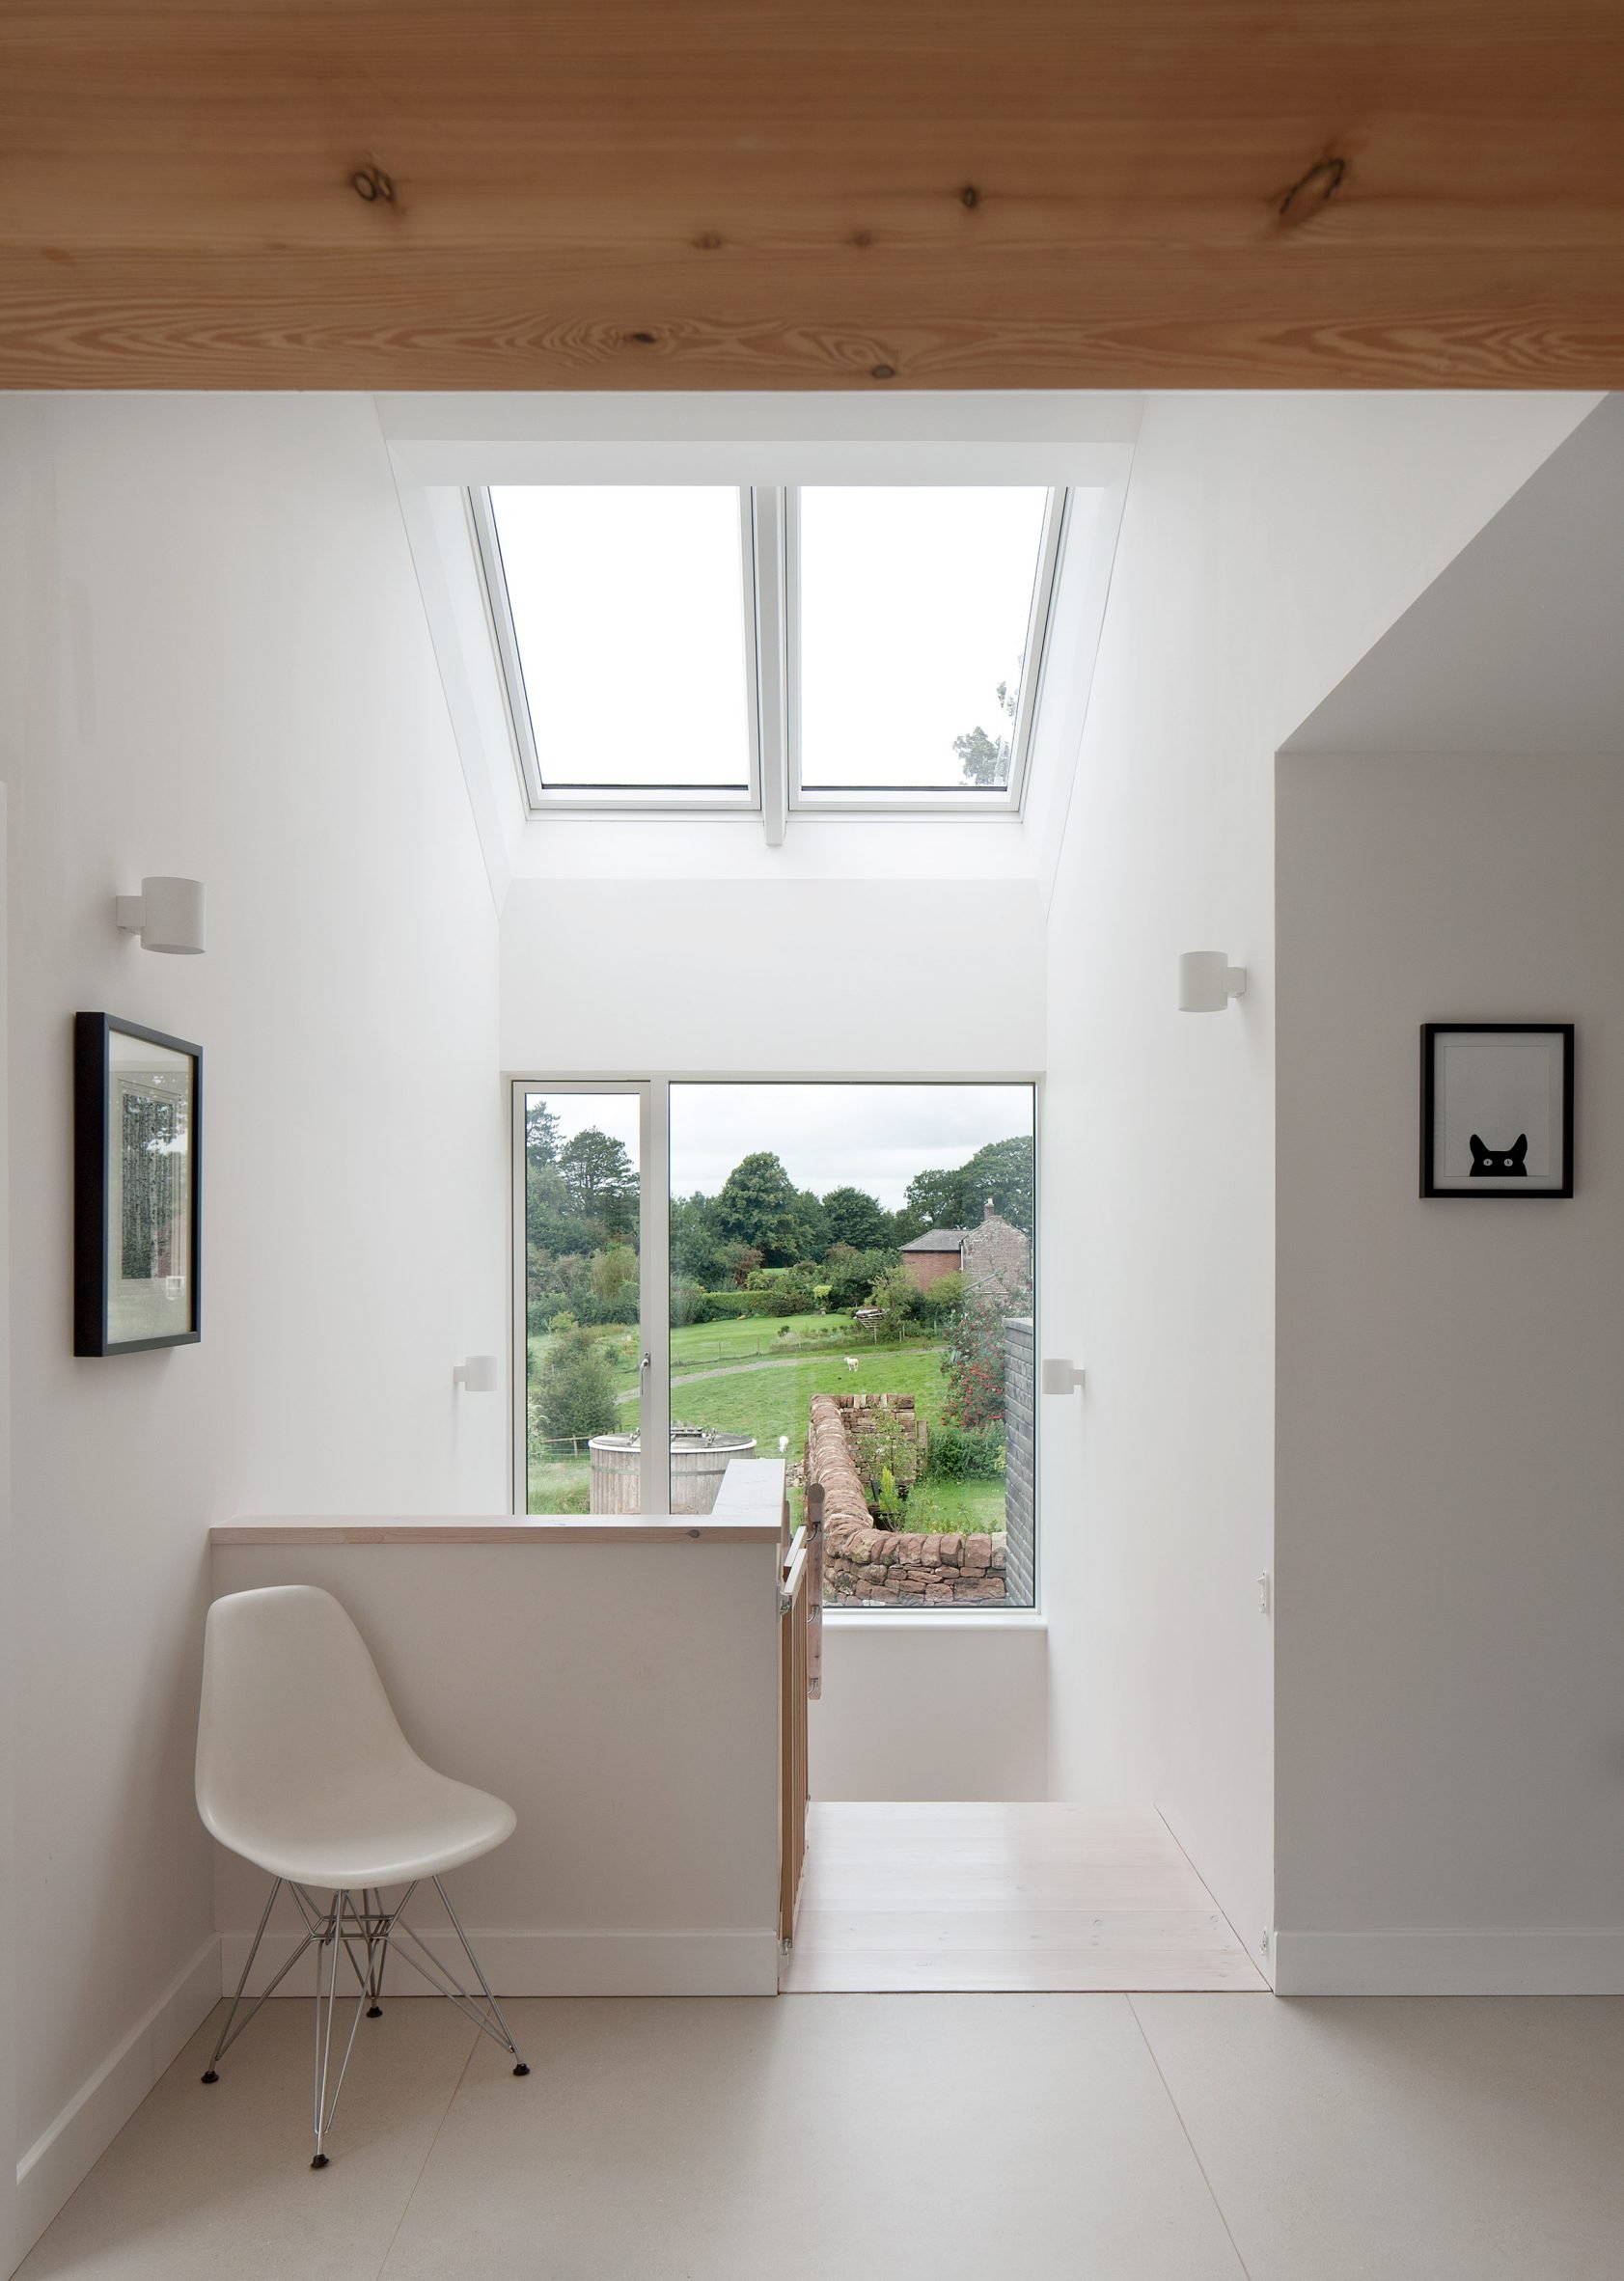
x,y
476,1376
1062,1378
1207,981
167,915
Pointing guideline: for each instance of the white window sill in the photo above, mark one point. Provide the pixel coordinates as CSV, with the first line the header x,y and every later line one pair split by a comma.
x,y
938,1619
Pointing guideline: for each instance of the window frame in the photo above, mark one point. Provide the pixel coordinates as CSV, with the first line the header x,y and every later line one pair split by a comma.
x,y
540,797
769,523
654,1291
933,799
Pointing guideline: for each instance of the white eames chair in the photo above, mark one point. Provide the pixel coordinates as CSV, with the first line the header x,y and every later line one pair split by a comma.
x,y
302,1769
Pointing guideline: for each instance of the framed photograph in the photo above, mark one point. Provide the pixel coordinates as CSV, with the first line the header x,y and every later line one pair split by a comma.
x,y
137,1186
1496,1109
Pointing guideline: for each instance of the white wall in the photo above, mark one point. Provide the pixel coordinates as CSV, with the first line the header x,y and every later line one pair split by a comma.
x,y
933,1705
786,977
1451,1438
10,2245
1265,543
216,663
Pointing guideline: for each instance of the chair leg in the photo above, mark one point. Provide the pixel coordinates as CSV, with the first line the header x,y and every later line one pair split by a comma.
x,y
332,1936
520,2067
212,2075
375,1961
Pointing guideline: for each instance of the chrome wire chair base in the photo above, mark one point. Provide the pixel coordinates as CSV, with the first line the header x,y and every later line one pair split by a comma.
x,y
357,1921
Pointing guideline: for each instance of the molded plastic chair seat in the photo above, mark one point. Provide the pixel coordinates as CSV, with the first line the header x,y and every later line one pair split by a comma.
x,y
302,1767
387,1830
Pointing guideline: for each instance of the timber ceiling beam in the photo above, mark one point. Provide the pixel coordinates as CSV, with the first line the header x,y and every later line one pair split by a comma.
x,y
858,194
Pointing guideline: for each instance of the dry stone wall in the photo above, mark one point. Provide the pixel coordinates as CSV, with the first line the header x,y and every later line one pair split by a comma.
x,y
885,1567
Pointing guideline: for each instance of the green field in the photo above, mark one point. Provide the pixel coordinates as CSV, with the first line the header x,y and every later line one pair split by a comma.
x,y
777,1398
702,1346
774,1399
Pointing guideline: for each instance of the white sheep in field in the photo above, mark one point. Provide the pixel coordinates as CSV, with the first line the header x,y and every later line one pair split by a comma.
x,y
851,1362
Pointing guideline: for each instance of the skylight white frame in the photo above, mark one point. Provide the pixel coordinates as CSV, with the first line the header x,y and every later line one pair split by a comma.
x,y
769,524
542,797
928,799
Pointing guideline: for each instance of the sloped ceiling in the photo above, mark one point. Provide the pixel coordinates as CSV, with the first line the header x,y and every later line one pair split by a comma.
x,y
1518,647
860,194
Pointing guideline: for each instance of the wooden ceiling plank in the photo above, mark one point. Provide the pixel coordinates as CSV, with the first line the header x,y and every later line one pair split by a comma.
x,y
778,194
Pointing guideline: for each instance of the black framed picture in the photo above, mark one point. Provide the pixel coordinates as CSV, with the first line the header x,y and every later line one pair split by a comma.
x,y
1496,1109
137,1186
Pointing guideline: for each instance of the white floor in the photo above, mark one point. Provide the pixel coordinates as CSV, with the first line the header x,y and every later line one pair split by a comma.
x,y
941,1899
898,2137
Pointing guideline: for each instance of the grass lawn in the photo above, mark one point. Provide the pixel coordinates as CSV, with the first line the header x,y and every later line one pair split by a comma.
x,y
771,1402
716,1346
956,1508
776,1398
558,1485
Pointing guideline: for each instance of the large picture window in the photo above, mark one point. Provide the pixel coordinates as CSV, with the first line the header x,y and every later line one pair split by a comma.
x,y
841,1276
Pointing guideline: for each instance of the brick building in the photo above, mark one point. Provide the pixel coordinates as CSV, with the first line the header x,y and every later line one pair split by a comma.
x,y
994,1252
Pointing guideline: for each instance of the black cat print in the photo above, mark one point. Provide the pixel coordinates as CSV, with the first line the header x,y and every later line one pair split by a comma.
x,y
1500,1164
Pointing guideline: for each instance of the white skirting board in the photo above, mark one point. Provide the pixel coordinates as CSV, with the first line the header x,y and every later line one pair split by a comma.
x,y
550,1963
68,2149
1449,1963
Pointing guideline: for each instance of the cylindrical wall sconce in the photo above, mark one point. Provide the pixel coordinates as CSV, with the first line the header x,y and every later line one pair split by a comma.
x,y
1207,981
167,915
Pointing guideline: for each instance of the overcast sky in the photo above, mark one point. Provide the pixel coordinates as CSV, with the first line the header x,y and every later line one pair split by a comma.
x,y
871,1137
628,604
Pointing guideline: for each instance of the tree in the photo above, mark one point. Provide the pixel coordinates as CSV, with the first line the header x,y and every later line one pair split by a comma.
x,y
541,1131
1003,1172
899,1299
851,1277
695,1245
934,1198
986,759
574,1396
615,1278
601,1180
739,1262
759,1205
851,1216
550,1219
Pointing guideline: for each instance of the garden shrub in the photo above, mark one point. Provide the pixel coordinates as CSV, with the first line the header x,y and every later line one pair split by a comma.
x,y
880,1446
966,1453
973,1363
720,1307
574,1396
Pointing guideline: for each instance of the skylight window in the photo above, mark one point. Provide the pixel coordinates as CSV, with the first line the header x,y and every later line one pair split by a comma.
x,y
625,634
915,623
832,648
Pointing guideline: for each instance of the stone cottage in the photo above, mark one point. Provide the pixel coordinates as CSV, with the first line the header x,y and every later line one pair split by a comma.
x,y
994,1252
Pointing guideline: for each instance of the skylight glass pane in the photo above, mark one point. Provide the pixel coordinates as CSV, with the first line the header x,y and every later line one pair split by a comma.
x,y
914,610
627,605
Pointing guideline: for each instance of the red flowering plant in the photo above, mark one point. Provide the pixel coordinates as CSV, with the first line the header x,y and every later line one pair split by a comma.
x,y
973,1358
